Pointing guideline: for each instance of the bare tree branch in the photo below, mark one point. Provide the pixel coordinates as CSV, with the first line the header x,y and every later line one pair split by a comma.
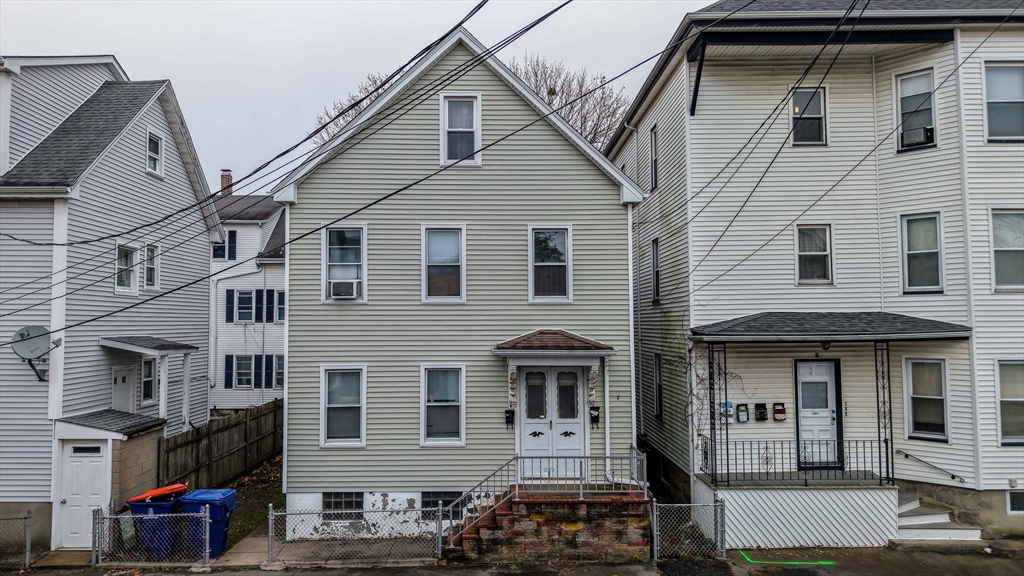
x,y
364,88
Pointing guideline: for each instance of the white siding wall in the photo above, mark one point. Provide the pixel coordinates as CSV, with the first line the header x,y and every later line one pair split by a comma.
x,y
26,436
43,96
119,185
995,179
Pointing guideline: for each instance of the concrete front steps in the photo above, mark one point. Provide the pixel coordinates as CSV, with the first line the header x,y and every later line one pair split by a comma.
x,y
917,522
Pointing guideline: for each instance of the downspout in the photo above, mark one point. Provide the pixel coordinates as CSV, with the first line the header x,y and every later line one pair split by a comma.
x,y
632,352
878,192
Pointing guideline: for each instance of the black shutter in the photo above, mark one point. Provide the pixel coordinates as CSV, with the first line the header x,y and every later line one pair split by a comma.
x,y
268,371
229,306
229,371
232,244
257,371
270,306
259,305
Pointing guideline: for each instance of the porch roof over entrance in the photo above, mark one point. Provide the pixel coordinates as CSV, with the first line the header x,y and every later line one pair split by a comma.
x,y
828,327
146,345
552,342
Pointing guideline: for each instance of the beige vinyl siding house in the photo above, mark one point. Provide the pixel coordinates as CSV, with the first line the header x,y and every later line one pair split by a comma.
x,y
393,332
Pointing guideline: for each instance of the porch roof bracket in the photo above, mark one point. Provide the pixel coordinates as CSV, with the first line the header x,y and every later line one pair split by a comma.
x,y
696,81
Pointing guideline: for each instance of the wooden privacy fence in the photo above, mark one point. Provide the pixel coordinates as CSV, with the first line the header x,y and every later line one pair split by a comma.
x,y
223,448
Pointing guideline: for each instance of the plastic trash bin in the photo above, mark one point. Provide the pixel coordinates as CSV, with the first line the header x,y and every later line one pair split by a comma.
x,y
154,528
221,502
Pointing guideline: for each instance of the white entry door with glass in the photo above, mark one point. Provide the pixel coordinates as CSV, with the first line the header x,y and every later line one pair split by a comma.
x,y
816,409
123,393
552,433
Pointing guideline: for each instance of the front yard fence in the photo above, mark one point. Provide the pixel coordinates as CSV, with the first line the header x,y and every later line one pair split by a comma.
x,y
688,530
16,541
124,538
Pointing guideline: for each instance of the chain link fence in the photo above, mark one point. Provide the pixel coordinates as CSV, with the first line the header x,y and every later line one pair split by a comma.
x,y
354,537
16,541
163,539
688,530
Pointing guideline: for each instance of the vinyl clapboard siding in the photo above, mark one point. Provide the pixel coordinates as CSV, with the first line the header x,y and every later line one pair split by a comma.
x,y
25,433
534,177
43,96
661,326
995,179
115,195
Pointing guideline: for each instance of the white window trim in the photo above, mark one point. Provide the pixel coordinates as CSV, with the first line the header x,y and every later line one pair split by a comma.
x,y
279,367
150,133
824,117
477,160
156,267
424,442
238,297
324,441
901,222
1012,512
831,256
999,404
156,381
897,114
324,235
280,302
984,101
252,372
992,252
461,299
225,244
908,387
567,299
653,145
134,289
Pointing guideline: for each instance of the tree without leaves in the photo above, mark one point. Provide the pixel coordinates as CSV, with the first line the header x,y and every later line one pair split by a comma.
x,y
595,116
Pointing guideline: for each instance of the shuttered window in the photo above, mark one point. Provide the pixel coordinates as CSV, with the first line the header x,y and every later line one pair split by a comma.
x,y
243,372
244,306
232,244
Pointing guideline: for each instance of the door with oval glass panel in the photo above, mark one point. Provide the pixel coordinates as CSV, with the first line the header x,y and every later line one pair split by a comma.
x,y
552,433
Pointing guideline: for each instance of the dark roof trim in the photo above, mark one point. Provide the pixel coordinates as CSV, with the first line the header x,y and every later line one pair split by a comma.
x,y
894,337
828,327
817,39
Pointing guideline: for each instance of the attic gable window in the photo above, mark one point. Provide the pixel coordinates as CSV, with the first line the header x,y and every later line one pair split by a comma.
x,y
460,128
154,154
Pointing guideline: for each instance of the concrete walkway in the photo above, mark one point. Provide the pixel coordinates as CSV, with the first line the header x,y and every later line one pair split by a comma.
x,y
872,562
250,552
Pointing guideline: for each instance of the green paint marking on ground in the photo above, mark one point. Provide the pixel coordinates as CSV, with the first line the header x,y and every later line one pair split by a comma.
x,y
788,563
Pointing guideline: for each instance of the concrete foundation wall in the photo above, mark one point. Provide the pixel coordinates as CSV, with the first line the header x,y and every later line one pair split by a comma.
x,y
134,466
669,482
985,508
12,532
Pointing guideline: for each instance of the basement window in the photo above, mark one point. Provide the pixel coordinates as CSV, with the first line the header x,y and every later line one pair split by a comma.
x,y
343,505
430,500
1015,502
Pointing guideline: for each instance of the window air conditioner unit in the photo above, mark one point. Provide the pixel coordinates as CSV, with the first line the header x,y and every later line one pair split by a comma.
x,y
918,137
344,289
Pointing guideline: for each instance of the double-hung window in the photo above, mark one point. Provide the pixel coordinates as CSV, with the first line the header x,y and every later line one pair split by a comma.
x,y
243,372
659,406
809,117
1011,403
280,306
654,158
444,267
1004,101
149,381
343,407
279,371
1008,249
926,390
152,268
443,413
916,114
342,506
655,271
922,257
345,263
550,264
245,306
460,128
814,257
125,276
154,154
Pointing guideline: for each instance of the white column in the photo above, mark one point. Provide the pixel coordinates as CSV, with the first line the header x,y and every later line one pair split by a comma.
x,y
163,385
186,375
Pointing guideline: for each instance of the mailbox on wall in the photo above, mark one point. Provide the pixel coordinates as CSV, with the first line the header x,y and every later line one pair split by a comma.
x,y
779,411
760,412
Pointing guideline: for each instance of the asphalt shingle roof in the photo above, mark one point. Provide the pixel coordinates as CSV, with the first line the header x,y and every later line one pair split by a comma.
x,y
726,6
250,207
275,243
151,342
62,157
116,421
552,340
829,324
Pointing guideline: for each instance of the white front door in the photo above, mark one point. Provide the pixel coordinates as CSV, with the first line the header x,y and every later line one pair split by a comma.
x,y
816,410
85,484
552,413
123,391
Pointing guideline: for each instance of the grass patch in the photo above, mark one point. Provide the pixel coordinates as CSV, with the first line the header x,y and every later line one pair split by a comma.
x,y
255,491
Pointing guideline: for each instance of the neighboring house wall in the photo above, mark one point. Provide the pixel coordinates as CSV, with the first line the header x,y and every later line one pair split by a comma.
x,y
43,96
535,177
119,185
26,436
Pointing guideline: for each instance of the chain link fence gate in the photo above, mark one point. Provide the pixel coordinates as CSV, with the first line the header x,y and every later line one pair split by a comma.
x,y
16,541
181,539
688,530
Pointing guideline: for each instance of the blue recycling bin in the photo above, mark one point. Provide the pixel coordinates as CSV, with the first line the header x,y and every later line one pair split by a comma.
x,y
154,528
221,502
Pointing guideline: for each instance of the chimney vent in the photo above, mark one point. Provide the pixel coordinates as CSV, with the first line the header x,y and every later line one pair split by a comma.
x,y
225,182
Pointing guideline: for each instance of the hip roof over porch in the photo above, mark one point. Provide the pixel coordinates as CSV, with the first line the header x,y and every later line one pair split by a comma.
x,y
828,327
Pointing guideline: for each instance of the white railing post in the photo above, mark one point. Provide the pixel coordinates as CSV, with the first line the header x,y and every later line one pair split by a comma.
x,y
28,538
440,511
655,537
270,532
206,535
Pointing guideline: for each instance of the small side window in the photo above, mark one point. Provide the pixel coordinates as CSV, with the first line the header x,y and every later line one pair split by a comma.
x,y
152,267
125,277
149,381
460,128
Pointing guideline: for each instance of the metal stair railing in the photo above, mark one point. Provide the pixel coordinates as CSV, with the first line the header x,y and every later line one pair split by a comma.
x,y
499,487
927,463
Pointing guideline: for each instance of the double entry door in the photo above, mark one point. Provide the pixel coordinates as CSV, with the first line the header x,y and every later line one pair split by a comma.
x,y
552,412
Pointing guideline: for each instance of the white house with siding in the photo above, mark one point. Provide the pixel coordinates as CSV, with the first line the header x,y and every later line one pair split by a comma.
x,y
247,314
480,314
84,152
835,346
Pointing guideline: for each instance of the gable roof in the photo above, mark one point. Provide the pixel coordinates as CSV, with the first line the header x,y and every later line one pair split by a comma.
x,y
14,63
285,191
552,339
67,152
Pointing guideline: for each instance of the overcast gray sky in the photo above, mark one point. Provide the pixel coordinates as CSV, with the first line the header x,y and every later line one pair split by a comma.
x,y
251,76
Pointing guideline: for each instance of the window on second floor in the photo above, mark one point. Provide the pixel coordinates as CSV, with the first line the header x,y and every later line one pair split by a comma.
x,y
654,158
125,276
922,256
809,117
154,154
1004,101
1008,249
345,264
226,250
152,268
655,271
279,371
245,306
916,115
460,122
550,264
149,381
814,255
444,267
659,406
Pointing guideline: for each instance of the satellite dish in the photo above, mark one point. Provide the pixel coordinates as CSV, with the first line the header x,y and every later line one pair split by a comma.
x,y
31,342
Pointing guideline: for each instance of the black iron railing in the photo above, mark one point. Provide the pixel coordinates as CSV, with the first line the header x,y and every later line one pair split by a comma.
x,y
788,461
